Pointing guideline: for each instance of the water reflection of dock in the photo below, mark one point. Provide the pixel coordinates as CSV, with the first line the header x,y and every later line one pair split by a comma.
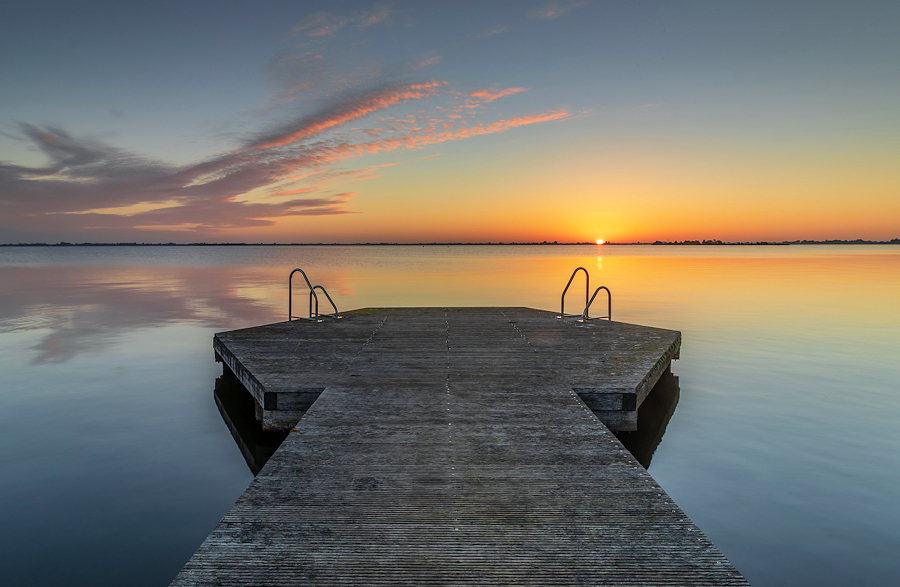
x,y
653,417
450,446
238,410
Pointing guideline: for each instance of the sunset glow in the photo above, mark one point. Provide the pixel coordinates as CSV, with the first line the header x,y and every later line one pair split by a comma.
x,y
477,124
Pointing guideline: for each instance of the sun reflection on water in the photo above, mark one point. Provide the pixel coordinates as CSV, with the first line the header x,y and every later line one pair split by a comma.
x,y
786,351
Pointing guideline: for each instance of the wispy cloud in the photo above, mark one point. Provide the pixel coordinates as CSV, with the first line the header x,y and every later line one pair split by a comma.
x,y
428,62
319,24
87,185
323,55
288,170
556,9
323,23
495,30
380,13
347,111
493,94
482,129
298,166
295,71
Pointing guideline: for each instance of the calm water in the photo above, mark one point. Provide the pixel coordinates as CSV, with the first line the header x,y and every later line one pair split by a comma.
x,y
784,446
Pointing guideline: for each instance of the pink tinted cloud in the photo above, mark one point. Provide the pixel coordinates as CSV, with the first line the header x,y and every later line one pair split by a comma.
x,y
83,176
310,173
380,13
414,142
323,23
353,109
85,181
293,192
319,24
428,62
490,95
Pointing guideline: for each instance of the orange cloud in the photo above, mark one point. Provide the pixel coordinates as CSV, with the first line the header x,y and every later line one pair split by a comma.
x,y
89,185
494,127
320,24
491,95
292,192
427,62
351,110
345,150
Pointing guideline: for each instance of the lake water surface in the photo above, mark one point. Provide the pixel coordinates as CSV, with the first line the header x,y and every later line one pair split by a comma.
x,y
784,447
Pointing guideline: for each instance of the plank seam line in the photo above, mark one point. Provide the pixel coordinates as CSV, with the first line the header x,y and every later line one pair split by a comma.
x,y
447,331
365,344
516,328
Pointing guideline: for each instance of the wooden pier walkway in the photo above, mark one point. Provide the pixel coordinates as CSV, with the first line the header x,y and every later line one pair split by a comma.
x,y
449,446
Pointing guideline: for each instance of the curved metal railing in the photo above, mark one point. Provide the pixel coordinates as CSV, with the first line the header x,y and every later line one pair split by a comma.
x,y
315,287
312,298
586,316
587,289
312,294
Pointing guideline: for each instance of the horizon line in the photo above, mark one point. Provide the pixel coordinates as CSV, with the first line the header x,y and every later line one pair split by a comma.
x,y
893,241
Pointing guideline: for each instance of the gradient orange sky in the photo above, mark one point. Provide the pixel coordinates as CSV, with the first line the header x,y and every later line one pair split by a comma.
x,y
397,122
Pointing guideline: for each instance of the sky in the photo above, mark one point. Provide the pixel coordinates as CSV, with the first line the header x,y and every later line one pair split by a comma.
x,y
346,122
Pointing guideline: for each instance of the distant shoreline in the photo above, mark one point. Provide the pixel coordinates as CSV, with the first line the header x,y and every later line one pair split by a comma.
x,y
895,241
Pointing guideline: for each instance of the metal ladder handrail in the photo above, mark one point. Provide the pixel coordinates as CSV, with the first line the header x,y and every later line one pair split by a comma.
x,y
587,290
324,291
585,316
312,296
291,294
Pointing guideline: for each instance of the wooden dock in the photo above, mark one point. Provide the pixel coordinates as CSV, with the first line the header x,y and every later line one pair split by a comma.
x,y
452,446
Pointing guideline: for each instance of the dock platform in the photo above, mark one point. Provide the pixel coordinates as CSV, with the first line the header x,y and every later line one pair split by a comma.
x,y
452,446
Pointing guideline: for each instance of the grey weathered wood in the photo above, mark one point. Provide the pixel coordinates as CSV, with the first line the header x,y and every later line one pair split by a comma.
x,y
446,449
285,366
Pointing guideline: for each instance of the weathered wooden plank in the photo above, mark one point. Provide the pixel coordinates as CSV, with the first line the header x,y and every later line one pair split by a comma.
x,y
282,359
449,447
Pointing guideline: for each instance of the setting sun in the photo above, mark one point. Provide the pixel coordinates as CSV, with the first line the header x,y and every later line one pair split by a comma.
x,y
600,241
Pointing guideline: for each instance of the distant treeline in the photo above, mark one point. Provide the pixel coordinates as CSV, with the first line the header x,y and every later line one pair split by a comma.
x,y
859,241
